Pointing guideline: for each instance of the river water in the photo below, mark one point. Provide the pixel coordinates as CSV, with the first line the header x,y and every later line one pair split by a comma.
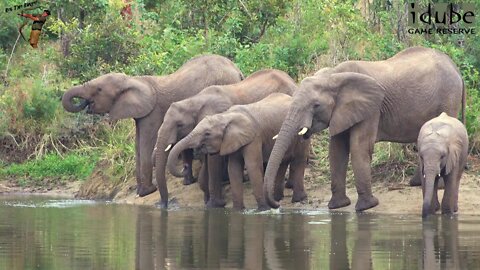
x,y
38,232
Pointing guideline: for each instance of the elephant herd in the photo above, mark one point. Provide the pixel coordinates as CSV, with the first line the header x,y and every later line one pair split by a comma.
x,y
263,124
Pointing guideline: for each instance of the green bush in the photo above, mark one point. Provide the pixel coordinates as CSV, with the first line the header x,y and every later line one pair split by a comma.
x,y
72,166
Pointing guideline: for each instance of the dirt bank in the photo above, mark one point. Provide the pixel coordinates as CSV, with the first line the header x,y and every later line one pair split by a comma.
x,y
395,196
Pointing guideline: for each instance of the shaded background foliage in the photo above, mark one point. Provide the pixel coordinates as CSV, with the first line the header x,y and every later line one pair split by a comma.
x,y
84,39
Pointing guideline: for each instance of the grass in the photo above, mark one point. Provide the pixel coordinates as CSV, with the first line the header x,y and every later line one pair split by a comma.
x,y
54,167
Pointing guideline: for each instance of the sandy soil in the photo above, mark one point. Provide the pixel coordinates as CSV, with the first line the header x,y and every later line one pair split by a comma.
x,y
395,196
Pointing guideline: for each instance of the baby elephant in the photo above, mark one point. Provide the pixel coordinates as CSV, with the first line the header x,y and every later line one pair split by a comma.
x,y
443,148
245,134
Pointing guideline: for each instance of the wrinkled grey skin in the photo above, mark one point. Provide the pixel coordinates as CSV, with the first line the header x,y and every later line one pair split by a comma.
x,y
443,149
244,134
184,115
363,102
146,99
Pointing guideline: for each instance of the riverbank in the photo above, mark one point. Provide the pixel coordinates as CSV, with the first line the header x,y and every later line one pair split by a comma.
x,y
395,195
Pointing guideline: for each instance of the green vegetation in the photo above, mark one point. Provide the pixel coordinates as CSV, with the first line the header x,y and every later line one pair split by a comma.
x,y
83,39
52,167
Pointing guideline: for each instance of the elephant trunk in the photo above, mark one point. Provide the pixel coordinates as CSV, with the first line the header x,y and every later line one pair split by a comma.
x,y
182,145
283,141
67,99
428,194
160,159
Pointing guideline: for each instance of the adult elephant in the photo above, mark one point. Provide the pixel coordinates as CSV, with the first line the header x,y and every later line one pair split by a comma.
x,y
182,117
146,99
363,102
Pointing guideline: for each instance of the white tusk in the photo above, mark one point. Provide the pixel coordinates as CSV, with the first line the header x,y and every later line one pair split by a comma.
x,y
438,175
168,147
424,176
303,131
275,137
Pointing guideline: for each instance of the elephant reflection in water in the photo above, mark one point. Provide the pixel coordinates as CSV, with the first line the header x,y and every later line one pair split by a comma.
x,y
440,244
362,251
160,240
215,240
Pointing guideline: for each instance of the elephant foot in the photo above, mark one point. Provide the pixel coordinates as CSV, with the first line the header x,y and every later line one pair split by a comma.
x,y
299,197
338,202
238,207
162,204
216,203
366,203
262,207
415,181
206,197
144,190
289,184
188,180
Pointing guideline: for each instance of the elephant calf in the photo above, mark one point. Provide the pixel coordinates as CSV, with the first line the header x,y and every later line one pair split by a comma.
x,y
245,134
443,150
183,116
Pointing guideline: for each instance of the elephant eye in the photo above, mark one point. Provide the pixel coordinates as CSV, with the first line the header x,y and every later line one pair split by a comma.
x,y
99,89
179,125
207,134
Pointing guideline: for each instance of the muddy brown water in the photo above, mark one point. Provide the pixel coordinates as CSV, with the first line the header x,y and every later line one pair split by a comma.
x,y
38,232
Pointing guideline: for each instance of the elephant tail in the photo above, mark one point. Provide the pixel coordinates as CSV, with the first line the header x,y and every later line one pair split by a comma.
x,y
464,103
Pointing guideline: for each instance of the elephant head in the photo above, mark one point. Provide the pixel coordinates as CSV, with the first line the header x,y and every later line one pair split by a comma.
x,y
119,95
439,154
334,100
217,134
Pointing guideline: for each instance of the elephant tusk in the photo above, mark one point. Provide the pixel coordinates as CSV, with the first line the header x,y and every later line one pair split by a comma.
x,y
303,131
424,176
438,175
168,148
275,137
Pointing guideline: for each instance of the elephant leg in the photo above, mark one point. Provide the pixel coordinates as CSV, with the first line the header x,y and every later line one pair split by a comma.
x,y
278,189
137,157
215,187
203,179
448,200
148,133
187,157
362,140
235,173
338,158
289,184
252,155
416,180
297,171
457,189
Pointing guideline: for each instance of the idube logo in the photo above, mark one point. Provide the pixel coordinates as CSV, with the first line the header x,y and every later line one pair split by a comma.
x,y
441,18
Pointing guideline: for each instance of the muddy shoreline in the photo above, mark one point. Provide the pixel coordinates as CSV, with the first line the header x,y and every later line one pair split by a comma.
x,y
394,197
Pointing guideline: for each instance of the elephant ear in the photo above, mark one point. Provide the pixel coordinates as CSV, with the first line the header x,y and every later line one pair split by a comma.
x,y
453,156
358,97
238,132
135,100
